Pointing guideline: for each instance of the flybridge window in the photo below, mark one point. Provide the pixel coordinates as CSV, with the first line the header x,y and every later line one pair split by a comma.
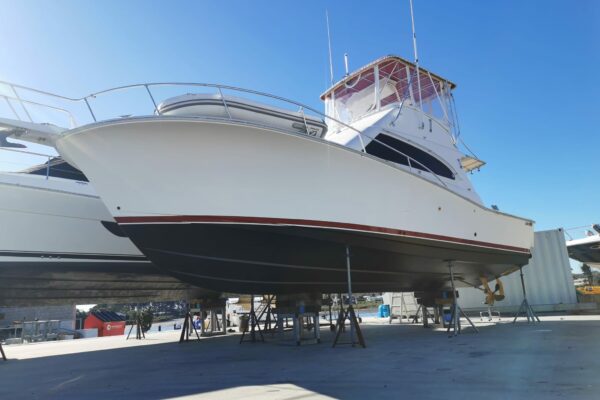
x,y
389,148
388,81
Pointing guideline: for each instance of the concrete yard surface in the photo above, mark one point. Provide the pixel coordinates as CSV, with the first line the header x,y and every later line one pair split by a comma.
x,y
558,358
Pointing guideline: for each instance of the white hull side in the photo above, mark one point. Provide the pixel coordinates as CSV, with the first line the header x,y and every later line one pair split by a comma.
x,y
585,250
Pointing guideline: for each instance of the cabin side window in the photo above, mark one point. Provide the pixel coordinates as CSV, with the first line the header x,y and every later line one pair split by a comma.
x,y
399,152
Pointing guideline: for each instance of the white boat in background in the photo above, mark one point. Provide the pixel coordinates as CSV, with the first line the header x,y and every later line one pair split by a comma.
x,y
587,249
59,244
239,196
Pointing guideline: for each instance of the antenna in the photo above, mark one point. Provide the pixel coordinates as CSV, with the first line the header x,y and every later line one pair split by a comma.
x,y
412,18
329,45
346,62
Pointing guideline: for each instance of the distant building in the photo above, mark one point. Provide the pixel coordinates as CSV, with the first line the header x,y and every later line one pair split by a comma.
x,y
65,314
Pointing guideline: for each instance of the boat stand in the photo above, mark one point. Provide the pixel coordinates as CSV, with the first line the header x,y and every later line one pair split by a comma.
x,y
525,307
301,322
456,310
139,331
331,324
2,352
490,314
188,327
252,325
270,318
422,310
348,314
403,310
210,324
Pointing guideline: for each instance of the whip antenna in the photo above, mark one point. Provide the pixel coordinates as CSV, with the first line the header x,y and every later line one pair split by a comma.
x,y
329,46
412,19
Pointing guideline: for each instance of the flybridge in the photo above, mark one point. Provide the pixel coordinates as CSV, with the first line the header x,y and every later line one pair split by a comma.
x,y
387,62
390,80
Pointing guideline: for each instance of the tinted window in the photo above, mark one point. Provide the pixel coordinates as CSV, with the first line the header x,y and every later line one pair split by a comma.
x,y
383,147
59,169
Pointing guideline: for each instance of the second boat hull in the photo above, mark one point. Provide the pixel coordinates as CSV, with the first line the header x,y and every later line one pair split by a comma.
x,y
59,244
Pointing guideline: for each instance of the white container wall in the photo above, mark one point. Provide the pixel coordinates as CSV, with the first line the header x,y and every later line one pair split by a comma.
x,y
548,279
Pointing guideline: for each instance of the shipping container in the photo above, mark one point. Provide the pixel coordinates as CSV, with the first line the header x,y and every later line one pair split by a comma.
x,y
548,278
108,323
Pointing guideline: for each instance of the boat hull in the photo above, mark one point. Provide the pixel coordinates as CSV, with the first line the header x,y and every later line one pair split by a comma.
x,y
58,244
195,194
266,258
585,250
32,281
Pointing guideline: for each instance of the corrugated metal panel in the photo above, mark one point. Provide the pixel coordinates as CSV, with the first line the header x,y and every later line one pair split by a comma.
x,y
548,278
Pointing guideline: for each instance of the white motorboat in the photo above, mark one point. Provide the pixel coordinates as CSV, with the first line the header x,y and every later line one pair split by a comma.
x,y
59,244
240,196
587,249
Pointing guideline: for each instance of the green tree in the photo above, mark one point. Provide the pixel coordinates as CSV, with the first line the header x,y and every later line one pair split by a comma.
x,y
587,271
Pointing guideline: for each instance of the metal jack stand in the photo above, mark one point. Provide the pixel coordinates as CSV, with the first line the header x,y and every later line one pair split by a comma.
x,y
212,317
139,330
456,310
525,307
331,325
349,313
188,326
268,310
2,352
253,325
425,314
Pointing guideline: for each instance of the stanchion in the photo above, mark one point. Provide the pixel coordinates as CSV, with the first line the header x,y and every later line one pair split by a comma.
x,y
270,315
525,307
188,326
456,310
349,313
331,325
422,310
138,324
253,325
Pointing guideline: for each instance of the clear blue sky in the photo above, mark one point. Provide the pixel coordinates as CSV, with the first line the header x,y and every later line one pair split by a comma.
x,y
528,91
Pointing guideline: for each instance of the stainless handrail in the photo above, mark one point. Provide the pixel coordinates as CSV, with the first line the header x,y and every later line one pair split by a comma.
x,y
48,156
35,103
22,105
219,88
588,227
27,152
